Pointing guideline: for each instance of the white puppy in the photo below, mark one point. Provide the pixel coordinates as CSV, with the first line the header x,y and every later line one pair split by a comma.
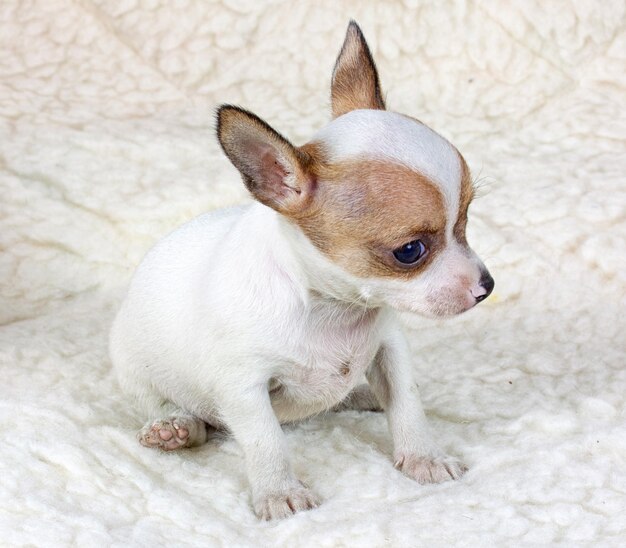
x,y
250,317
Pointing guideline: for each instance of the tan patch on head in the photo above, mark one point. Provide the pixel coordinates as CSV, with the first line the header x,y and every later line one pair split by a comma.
x,y
364,209
467,194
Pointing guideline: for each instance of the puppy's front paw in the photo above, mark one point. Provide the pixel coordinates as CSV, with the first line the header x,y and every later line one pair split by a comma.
x,y
428,469
285,503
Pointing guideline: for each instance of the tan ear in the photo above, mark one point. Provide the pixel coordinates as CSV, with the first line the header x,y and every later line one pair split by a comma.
x,y
355,82
273,170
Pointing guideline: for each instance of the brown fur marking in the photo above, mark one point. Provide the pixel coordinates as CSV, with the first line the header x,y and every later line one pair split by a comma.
x,y
364,209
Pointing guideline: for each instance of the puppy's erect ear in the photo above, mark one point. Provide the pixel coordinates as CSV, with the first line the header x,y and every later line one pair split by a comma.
x,y
273,170
355,79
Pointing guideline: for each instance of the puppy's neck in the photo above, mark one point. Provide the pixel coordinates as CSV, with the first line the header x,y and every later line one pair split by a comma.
x,y
319,279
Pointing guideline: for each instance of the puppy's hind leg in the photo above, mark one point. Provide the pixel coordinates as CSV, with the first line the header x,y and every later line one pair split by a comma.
x,y
169,427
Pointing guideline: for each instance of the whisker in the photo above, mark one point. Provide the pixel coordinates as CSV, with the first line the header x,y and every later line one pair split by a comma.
x,y
482,184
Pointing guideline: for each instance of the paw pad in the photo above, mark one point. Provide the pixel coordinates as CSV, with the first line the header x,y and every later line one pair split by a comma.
x,y
167,435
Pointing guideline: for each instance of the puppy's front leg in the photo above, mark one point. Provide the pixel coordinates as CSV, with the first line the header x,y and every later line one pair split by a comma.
x,y
276,492
416,453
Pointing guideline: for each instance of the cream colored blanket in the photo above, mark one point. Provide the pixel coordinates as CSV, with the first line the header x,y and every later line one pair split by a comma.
x,y
107,143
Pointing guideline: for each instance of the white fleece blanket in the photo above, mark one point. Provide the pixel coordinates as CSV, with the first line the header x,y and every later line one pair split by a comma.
x,y
107,143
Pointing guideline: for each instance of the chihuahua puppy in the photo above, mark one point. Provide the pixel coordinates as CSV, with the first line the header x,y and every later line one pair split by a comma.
x,y
249,317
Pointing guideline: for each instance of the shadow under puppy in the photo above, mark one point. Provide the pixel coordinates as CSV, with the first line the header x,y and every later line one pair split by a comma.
x,y
249,317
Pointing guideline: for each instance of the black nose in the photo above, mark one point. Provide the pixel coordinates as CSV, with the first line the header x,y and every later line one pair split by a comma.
x,y
487,283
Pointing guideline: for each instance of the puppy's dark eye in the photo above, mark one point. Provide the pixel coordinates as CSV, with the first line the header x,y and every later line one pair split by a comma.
x,y
410,253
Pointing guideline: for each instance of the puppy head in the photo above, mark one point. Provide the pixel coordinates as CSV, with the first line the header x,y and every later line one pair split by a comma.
x,y
378,194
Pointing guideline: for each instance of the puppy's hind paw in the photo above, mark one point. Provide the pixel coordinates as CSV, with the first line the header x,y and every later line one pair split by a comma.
x,y
173,433
285,503
428,469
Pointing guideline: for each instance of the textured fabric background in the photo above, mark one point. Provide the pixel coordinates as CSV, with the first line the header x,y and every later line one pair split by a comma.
x,y
107,143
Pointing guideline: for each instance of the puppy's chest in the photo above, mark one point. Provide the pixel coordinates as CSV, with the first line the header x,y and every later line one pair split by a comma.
x,y
331,354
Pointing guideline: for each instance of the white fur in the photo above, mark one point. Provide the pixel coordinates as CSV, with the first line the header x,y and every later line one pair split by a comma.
x,y
239,301
236,319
